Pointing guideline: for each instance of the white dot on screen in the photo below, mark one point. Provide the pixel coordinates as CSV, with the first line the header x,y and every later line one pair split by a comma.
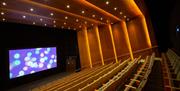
x,y
17,62
41,65
35,65
51,61
27,58
46,52
46,58
25,68
29,54
10,75
55,60
42,60
17,55
37,52
49,66
48,49
21,73
32,72
177,30
29,63
42,54
33,59
52,56
38,48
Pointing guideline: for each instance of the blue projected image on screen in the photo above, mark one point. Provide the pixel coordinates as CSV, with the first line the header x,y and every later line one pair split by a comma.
x,y
28,61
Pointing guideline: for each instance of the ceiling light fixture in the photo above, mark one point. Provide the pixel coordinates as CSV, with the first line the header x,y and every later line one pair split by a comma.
x,y
51,14
31,9
77,20
85,22
24,16
3,19
68,6
74,28
125,16
127,19
66,17
45,24
92,24
54,21
4,3
2,13
54,26
82,12
41,19
69,28
80,26
115,8
101,18
64,23
107,2
93,15
120,13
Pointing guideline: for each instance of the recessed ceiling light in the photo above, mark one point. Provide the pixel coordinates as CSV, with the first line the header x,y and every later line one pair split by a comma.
x,y
2,13
85,22
64,23
31,9
24,16
77,20
41,19
66,17
120,13
4,3
125,16
74,28
101,18
34,23
111,23
68,6
82,12
51,14
80,26
3,19
54,26
107,21
54,21
45,24
92,24
115,8
69,27
107,2
93,15
127,19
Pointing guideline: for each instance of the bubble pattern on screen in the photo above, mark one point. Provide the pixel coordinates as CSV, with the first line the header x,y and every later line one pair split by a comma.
x,y
28,61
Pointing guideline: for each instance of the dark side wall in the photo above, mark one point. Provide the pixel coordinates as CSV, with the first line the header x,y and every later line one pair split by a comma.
x,y
19,36
165,17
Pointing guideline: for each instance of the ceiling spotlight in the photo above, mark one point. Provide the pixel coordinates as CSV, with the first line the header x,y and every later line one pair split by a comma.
x,y
80,26
68,6
111,23
120,13
54,26
64,23
92,24
125,16
24,16
107,21
4,4
93,15
74,28
31,9
41,19
45,24
66,17
77,20
101,18
3,19
127,19
85,22
115,8
34,23
54,21
51,14
82,12
2,13
69,28
107,2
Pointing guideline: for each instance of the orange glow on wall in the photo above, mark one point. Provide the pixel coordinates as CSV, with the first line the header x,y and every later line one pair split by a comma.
x,y
99,44
87,46
127,39
146,32
112,39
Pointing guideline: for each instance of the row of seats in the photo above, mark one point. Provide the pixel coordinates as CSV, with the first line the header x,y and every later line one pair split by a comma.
x,y
171,70
66,80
